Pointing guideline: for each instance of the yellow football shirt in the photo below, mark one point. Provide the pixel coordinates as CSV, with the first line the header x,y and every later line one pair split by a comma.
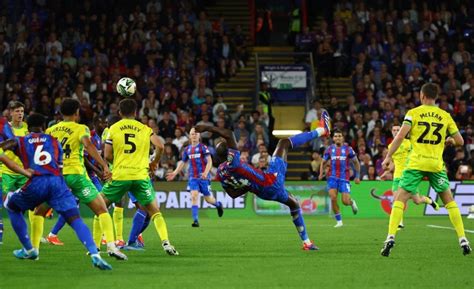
x,y
22,130
130,140
70,135
430,126
400,158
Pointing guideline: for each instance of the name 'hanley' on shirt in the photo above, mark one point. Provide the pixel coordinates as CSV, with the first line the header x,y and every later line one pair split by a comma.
x,y
130,127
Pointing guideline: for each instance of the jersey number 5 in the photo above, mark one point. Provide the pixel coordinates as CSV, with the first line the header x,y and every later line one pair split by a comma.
x,y
427,125
128,141
41,157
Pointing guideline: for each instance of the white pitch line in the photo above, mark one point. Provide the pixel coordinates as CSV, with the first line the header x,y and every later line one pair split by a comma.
x,y
448,228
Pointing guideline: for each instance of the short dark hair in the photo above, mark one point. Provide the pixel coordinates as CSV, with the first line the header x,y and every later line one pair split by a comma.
x,y
336,131
430,90
15,104
35,120
128,107
69,106
112,119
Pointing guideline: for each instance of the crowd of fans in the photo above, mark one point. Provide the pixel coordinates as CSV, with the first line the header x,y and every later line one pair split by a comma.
x,y
389,53
176,53
172,49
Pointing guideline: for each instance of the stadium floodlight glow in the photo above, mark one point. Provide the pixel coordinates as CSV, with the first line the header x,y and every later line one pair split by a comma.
x,y
285,132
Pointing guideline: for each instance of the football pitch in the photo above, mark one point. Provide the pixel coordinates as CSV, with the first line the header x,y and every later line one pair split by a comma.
x,y
260,252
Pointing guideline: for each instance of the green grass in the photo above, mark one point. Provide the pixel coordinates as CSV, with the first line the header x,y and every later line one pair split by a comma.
x,y
256,253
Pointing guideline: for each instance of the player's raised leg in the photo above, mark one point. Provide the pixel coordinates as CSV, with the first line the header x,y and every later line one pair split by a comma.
x,y
304,137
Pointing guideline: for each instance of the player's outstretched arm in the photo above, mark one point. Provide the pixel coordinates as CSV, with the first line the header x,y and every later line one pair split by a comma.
x,y
14,167
455,140
227,134
172,175
8,144
159,148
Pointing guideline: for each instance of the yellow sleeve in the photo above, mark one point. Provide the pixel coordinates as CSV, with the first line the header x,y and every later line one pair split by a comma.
x,y
452,127
48,130
110,136
84,132
408,120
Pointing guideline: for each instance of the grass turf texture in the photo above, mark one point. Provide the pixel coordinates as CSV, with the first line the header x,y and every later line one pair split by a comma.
x,y
256,253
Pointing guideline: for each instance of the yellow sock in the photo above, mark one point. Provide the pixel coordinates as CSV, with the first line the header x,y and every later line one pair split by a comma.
x,y
96,231
118,222
107,227
395,217
37,226
30,216
160,226
455,217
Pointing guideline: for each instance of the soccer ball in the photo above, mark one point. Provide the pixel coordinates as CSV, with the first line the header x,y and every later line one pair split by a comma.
x,y
126,87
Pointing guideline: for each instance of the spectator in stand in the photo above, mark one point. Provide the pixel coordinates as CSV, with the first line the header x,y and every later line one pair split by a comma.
x,y
167,125
315,165
180,139
262,152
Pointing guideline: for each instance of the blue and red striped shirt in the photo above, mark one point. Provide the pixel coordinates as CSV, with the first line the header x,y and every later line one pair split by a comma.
x,y
97,142
197,157
6,131
340,160
41,153
237,174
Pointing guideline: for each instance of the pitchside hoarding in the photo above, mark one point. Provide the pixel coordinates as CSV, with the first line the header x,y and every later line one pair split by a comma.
x,y
374,199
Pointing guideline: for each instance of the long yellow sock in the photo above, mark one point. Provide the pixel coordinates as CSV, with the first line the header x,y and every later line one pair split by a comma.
x,y
96,231
395,217
107,227
455,217
118,222
160,226
37,226
30,216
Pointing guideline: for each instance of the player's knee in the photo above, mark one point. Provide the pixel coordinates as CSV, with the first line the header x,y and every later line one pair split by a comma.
x,y
10,205
70,215
333,197
284,144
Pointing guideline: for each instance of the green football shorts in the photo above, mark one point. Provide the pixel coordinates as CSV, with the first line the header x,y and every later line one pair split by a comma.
x,y
141,189
82,187
11,183
412,178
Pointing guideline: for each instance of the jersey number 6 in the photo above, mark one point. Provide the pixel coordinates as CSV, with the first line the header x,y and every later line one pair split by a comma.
x,y
41,157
